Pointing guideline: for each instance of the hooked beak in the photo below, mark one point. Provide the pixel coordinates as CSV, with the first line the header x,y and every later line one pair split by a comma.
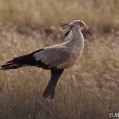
x,y
86,27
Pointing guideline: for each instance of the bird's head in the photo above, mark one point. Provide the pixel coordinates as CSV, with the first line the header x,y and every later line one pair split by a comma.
x,y
77,24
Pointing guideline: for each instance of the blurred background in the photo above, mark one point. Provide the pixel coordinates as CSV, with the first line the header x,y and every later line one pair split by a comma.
x,y
103,14
89,89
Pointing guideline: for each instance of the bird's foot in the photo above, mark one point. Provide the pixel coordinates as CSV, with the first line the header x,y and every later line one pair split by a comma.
x,y
49,93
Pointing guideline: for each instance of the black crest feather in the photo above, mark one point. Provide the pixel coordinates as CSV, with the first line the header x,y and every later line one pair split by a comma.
x,y
66,27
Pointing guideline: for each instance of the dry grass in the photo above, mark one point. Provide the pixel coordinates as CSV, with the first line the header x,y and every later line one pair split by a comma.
x,y
103,14
90,89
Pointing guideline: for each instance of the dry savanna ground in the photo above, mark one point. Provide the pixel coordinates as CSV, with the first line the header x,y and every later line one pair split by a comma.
x,y
89,89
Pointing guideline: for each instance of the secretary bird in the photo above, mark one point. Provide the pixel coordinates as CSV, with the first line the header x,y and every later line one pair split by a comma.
x,y
55,58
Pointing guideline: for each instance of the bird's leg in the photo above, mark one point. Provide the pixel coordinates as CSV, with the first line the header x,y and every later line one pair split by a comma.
x,y
50,89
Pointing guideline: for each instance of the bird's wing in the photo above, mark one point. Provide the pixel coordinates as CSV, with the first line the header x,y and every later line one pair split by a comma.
x,y
53,56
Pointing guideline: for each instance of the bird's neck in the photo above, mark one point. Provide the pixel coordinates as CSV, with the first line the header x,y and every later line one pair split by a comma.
x,y
75,31
76,39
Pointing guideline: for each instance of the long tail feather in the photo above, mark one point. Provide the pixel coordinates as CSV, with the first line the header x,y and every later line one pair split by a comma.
x,y
25,60
14,63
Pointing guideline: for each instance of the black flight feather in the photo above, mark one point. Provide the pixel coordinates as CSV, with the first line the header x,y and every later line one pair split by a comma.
x,y
25,60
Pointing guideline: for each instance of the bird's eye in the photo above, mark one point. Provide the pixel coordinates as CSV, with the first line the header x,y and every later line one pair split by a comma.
x,y
81,23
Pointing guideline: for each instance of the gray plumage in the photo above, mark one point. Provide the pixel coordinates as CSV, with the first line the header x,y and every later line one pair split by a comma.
x,y
63,55
55,58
